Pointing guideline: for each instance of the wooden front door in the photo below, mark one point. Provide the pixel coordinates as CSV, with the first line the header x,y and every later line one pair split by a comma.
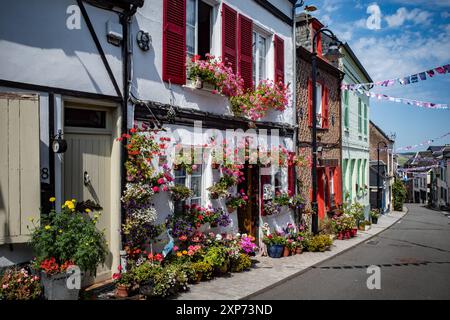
x,y
248,216
87,165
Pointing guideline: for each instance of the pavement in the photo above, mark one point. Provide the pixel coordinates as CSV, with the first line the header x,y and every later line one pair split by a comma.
x,y
413,256
271,273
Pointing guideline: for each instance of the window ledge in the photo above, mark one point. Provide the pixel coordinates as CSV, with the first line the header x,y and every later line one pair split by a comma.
x,y
205,91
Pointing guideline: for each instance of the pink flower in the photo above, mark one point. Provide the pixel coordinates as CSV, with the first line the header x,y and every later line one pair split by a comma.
x,y
194,167
165,188
161,181
155,189
175,248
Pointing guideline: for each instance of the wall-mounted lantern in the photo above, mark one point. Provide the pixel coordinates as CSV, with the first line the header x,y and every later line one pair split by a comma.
x,y
59,145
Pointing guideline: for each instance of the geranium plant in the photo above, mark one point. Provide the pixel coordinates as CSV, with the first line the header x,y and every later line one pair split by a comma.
x,y
69,236
19,284
216,72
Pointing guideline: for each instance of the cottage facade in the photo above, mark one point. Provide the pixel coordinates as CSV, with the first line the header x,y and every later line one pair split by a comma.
x,y
355,132
79,70
329,132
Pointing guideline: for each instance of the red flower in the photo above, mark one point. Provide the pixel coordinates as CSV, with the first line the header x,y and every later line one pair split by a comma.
x,y
133,130
155,189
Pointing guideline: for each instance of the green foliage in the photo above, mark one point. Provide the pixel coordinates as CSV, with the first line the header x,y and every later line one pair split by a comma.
x,y
216,256
240,263
169,281
399,191
204,268
69,236
374,213
274,239
282,199
180,192
319,243
144,272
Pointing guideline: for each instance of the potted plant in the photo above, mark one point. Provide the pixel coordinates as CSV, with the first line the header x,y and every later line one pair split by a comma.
x,y
217,257
271,208
123,281
218,190
374,215
275,245
180,192
237,201
66,240
319,243
19,284
204,271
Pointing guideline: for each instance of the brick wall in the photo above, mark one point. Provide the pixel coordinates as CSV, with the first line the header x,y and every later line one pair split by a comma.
x,y
330,139
375,137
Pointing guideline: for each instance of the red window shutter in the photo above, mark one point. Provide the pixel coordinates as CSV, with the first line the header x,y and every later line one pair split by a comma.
x,y
246,51
320,193
325,104
337,186
279,59
319,45
174,41
310,93
229,38
291,176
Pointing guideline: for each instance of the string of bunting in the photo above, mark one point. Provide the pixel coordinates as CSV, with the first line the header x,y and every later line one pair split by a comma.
x,y
411,102
427,142
421,76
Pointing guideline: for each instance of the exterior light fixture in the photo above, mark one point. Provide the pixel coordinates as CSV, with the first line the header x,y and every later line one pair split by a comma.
x,y
143,40
333,54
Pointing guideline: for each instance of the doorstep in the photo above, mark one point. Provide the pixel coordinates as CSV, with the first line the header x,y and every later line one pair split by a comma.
x,y
269,272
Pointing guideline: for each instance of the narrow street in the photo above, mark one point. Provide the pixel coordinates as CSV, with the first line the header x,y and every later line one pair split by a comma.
x,y
414,256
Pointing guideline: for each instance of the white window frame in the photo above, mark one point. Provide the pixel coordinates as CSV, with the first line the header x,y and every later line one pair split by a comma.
x,y
188,183
319,106
256,35
211,3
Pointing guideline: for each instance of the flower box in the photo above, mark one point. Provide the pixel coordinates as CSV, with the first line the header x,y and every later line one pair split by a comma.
x,y
56,287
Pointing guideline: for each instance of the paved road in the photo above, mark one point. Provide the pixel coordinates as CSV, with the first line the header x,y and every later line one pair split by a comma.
x,y
414,256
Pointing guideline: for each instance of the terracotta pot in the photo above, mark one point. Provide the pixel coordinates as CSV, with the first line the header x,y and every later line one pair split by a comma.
x,y
340,235
293,252
354,232
230,209
286,252
121,291
298,251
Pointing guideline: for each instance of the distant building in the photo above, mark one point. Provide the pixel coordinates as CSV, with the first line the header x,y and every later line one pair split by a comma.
x,y
386,168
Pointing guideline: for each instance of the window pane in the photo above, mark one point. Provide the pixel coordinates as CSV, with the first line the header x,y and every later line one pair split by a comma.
x,y
196,186
84,118
254,58
190,12
179,206
196,201
262,58
319,104
190,40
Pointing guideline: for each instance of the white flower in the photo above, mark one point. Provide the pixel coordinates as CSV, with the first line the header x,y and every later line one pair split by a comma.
x,y
238,235
218,237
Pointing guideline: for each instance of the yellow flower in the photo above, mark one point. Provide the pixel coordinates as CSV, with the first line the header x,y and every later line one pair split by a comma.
x,y
179,254
96,216
95,221
87,210
73,200
60,231
184,252
69,204
52,199
47,227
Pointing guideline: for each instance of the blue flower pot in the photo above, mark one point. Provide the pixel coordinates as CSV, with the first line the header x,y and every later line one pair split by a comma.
x,y
275,251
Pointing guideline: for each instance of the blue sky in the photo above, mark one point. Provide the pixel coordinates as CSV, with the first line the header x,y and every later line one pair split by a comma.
x,y
414,36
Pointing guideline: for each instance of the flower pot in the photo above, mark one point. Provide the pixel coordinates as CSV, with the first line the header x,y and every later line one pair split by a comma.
x,y
275,251
56,287
146,289
347,234
354,231
374,220
361,228
298,251
121,291
286,252
230,209
340,235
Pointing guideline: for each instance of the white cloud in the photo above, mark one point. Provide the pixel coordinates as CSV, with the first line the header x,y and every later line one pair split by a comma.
x,y
394,56
402,15
428,3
